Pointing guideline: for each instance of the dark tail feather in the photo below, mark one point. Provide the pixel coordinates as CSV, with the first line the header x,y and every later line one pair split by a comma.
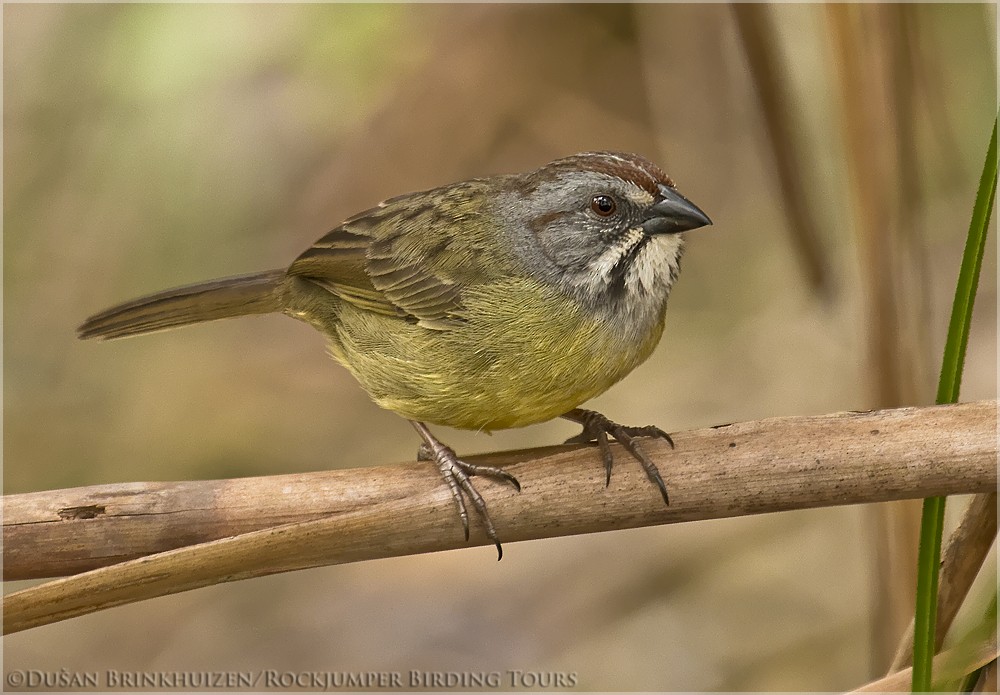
x,y
206,301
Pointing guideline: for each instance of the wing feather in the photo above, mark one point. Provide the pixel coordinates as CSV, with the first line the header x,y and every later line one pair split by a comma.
x,y
378,260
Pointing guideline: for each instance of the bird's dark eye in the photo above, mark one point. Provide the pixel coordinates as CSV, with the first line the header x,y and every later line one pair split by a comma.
x,y
603,205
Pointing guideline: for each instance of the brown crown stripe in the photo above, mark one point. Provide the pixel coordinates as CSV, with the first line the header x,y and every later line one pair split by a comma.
x,y
623,165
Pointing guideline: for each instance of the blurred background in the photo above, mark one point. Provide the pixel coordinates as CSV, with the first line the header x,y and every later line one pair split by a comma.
x,y
837,149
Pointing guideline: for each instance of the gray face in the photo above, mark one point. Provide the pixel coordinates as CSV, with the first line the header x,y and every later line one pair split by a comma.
x,y
585,232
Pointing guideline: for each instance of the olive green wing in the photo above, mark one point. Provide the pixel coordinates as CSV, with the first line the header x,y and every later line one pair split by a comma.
x,y
337,264
410,257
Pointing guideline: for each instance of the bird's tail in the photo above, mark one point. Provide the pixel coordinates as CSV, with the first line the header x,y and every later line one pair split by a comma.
x,y
207,301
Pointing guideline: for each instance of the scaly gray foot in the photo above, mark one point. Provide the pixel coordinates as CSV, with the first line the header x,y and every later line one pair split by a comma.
x,y
596,427
456,474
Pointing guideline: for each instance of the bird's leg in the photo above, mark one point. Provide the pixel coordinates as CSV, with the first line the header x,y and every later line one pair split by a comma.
x,y
456,474
596,427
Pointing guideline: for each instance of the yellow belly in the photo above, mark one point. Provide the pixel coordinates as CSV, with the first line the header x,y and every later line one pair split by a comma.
x,y
525,355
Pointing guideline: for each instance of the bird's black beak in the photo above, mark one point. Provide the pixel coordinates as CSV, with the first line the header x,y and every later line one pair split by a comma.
x,y
673,213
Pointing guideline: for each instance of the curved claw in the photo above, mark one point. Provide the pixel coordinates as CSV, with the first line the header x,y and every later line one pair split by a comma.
x,y
489,471
651,431
597,427
457,474
652,472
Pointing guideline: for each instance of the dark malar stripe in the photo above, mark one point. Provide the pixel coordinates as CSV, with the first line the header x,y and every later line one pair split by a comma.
x,y
616,278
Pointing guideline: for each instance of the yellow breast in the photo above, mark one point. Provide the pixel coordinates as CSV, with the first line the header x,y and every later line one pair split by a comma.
x,y
526,354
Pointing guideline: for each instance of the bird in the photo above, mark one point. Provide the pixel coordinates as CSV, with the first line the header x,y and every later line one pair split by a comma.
x,y
486,304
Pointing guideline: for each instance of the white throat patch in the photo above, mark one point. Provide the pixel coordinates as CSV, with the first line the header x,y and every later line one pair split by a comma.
x,y
650,273
656,266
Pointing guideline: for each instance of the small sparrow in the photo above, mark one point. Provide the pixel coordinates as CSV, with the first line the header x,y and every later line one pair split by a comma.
x,y
485,304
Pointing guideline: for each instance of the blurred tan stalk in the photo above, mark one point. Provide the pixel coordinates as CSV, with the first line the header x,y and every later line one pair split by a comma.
x,y
768,69
868,43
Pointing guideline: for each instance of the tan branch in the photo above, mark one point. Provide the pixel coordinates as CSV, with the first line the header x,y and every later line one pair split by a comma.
x,y
289,522
949,666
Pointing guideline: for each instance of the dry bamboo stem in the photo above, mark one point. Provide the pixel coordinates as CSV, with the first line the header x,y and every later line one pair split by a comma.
x,y
294,522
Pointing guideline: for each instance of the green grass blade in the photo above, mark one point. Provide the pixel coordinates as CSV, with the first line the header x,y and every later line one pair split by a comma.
x,y
932,521
925,615
968,280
